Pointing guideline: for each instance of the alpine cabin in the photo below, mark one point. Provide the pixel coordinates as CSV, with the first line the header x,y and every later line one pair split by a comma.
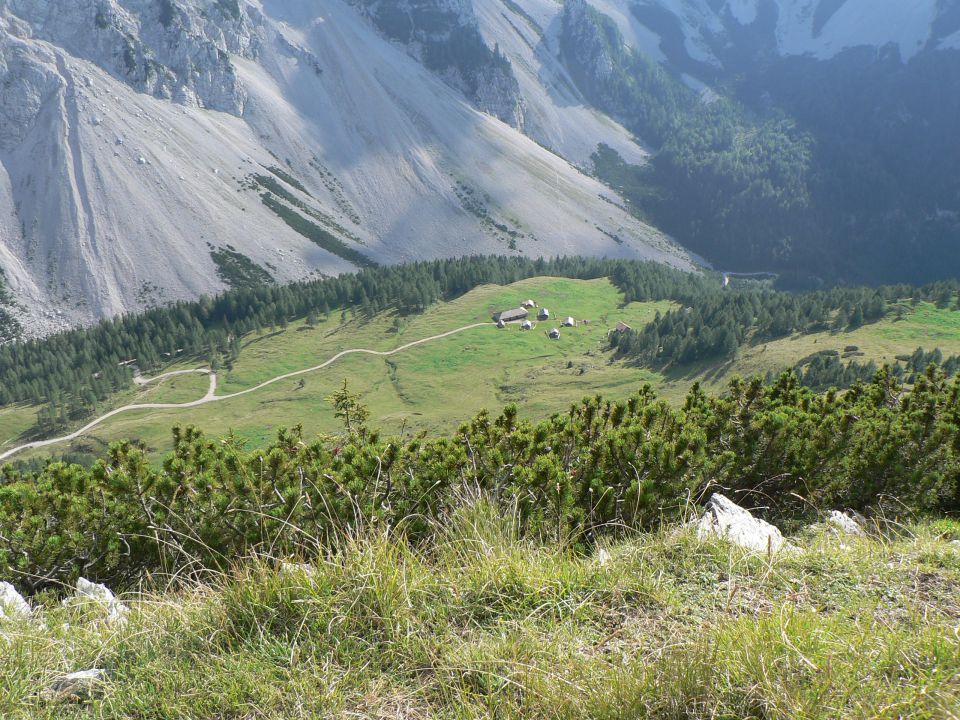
x,y
511,315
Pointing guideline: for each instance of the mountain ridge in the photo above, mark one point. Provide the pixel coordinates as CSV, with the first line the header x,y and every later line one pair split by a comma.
x,y
119,179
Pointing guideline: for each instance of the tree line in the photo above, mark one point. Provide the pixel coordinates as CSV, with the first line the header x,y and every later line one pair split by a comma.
x,y
72,371
826,369
712,323
75,369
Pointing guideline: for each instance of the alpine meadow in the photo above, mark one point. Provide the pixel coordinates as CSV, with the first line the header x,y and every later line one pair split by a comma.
x,y
408,359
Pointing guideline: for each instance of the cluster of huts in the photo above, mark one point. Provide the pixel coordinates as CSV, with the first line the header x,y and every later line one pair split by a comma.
x,y
522,315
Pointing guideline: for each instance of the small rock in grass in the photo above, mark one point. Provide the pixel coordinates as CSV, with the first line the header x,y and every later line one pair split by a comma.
x,y
75,686
724,518
846,522
12,603
101,594
291,568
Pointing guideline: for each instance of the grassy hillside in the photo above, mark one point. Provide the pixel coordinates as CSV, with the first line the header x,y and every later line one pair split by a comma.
x,y
435,386
922,324
480,623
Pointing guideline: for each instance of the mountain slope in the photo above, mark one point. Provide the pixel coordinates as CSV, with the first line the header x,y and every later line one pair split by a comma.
x,y
138,137
813,139
718,34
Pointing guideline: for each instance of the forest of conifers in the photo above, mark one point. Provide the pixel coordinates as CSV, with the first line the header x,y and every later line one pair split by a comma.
x,y
78,368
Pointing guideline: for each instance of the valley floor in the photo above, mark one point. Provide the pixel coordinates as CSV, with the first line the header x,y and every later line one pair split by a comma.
x,y
478,623
436,386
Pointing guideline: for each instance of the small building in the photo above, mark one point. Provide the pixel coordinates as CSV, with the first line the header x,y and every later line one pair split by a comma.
x,y
622,327
528,304
555,334
511,315
569,322
544,314
526,325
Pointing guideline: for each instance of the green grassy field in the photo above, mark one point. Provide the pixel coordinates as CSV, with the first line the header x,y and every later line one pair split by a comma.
x,y
922,326
483,624
431,387
435,386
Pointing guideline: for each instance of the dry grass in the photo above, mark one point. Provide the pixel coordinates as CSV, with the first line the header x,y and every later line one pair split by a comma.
x,y
480,623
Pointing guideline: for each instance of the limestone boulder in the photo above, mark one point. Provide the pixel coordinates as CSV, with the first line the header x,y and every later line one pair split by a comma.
x,y
724,518
12,603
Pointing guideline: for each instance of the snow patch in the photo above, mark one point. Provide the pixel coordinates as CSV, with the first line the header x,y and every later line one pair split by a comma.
x,y
744,11
874,23
951,42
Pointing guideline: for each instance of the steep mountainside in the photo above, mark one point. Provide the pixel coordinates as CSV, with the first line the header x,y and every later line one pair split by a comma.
x,y
156,150
151,151
718,34
831,154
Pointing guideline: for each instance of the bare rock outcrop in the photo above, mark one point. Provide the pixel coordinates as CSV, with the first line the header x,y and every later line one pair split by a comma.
x,y
846,523
724,518
101,595
12,603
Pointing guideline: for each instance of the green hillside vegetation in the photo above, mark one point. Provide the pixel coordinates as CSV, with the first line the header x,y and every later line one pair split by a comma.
x,y
532,561
237,270
483,623
787,164
435,386
600,465
82,366
9,325
511,569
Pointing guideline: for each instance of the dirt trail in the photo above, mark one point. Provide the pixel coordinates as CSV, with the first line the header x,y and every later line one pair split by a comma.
x,y
211,395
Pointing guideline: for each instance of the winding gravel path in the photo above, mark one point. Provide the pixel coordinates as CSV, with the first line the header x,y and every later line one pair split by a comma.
x,y
212,397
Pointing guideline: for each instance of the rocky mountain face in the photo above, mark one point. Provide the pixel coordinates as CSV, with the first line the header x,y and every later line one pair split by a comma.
x,y
705,37
857,105
153,151
171,51
595,53
444,35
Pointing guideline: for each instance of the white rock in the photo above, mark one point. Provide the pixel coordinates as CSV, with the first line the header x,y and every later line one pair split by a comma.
x,y
724,518
290,568
12,603
101,594
76,684
848,523
141,160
